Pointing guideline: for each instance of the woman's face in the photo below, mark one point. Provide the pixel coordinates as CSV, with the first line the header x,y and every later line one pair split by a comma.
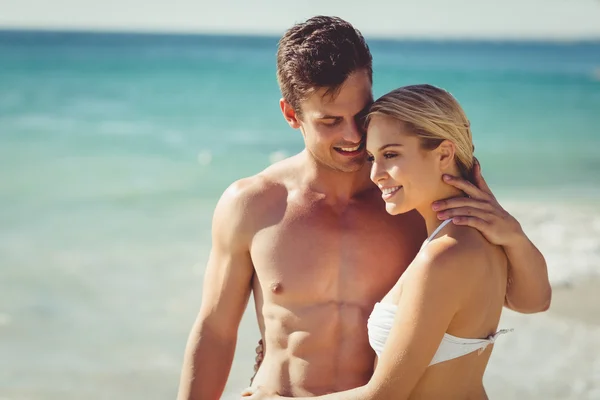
x,y
408,175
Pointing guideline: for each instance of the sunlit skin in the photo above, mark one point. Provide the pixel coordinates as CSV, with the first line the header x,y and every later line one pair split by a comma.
x,y
456,284
409,176
309,237
332,124
304,237
328,281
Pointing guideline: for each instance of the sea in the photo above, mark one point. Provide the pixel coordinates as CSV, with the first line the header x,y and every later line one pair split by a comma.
x,y
114,149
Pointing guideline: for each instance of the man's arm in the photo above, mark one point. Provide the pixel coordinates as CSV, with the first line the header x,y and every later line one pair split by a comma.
x,y
529,289
227,285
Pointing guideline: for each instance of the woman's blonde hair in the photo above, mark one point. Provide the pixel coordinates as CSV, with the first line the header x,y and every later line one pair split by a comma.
x,y
433,115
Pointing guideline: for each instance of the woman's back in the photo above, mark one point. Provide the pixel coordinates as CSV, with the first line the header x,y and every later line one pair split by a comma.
x,y
479,274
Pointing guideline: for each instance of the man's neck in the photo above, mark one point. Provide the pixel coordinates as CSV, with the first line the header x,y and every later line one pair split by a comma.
x,y
338,187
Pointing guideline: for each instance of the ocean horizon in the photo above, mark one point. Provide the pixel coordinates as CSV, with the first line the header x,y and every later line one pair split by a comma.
x,y
107,33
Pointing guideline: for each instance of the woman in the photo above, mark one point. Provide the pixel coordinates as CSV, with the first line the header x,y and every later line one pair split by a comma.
x,y
432,332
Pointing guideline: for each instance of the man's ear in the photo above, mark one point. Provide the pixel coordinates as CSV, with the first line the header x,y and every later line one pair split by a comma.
x,y
289,114
445,152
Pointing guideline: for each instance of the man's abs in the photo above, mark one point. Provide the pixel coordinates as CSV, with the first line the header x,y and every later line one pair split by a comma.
x,y
316,350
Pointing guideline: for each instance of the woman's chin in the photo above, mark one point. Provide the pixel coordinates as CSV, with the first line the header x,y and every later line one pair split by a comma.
x,y
395,209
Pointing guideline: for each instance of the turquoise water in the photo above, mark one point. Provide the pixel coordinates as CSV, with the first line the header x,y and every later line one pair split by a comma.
x,y
114,148
122,103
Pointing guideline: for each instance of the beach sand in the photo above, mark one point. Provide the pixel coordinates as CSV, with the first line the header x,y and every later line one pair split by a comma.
x,y
553,355
578,302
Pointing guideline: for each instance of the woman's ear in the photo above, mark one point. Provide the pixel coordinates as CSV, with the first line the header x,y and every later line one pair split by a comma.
x,y
445,152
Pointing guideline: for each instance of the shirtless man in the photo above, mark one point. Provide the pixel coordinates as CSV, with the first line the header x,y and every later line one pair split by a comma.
x,y
307,234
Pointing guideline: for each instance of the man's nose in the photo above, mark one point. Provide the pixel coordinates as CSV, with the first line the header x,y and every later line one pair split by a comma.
x,y
353,132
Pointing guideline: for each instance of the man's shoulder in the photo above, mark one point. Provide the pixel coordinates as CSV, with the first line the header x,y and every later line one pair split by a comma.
x,y
245,202
251,193
269,185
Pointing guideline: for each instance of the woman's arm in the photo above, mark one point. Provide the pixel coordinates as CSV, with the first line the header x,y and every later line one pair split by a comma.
x,y
529,290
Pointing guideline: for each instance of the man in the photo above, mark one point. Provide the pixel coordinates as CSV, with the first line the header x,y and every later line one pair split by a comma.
x,y
311,238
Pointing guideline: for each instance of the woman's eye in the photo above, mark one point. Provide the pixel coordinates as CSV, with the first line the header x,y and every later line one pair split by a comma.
x,y
389,155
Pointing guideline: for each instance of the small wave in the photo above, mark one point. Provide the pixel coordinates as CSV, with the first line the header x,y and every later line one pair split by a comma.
x,y
125,128
97,107
173,138
45,122
568,235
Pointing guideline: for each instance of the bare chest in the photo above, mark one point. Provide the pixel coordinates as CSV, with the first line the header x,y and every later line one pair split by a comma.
x,y
315,255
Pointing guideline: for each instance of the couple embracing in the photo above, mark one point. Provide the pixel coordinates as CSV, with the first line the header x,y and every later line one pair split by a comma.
x,y
378,258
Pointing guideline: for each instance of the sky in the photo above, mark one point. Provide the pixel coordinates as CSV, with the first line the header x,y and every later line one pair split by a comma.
x,y
463,19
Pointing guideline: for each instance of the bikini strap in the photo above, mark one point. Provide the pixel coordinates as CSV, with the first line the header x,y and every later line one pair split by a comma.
x,y
437,230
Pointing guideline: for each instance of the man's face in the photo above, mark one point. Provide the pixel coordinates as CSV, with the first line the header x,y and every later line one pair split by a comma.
x,y
332,126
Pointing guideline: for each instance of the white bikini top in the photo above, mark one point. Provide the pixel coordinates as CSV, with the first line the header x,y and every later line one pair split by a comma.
x,y
381,321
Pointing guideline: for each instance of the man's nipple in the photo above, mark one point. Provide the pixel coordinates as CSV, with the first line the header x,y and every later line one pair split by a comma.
x,y
276,288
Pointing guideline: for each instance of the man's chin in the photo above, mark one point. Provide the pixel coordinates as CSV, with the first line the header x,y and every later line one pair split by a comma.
x,y
345,164
353,165
350,168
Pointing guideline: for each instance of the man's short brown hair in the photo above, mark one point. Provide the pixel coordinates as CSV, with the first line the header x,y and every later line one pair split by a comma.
x,y
319,53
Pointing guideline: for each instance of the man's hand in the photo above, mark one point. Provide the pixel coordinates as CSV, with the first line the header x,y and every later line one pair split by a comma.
x,y
480,210
260,355
258,393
